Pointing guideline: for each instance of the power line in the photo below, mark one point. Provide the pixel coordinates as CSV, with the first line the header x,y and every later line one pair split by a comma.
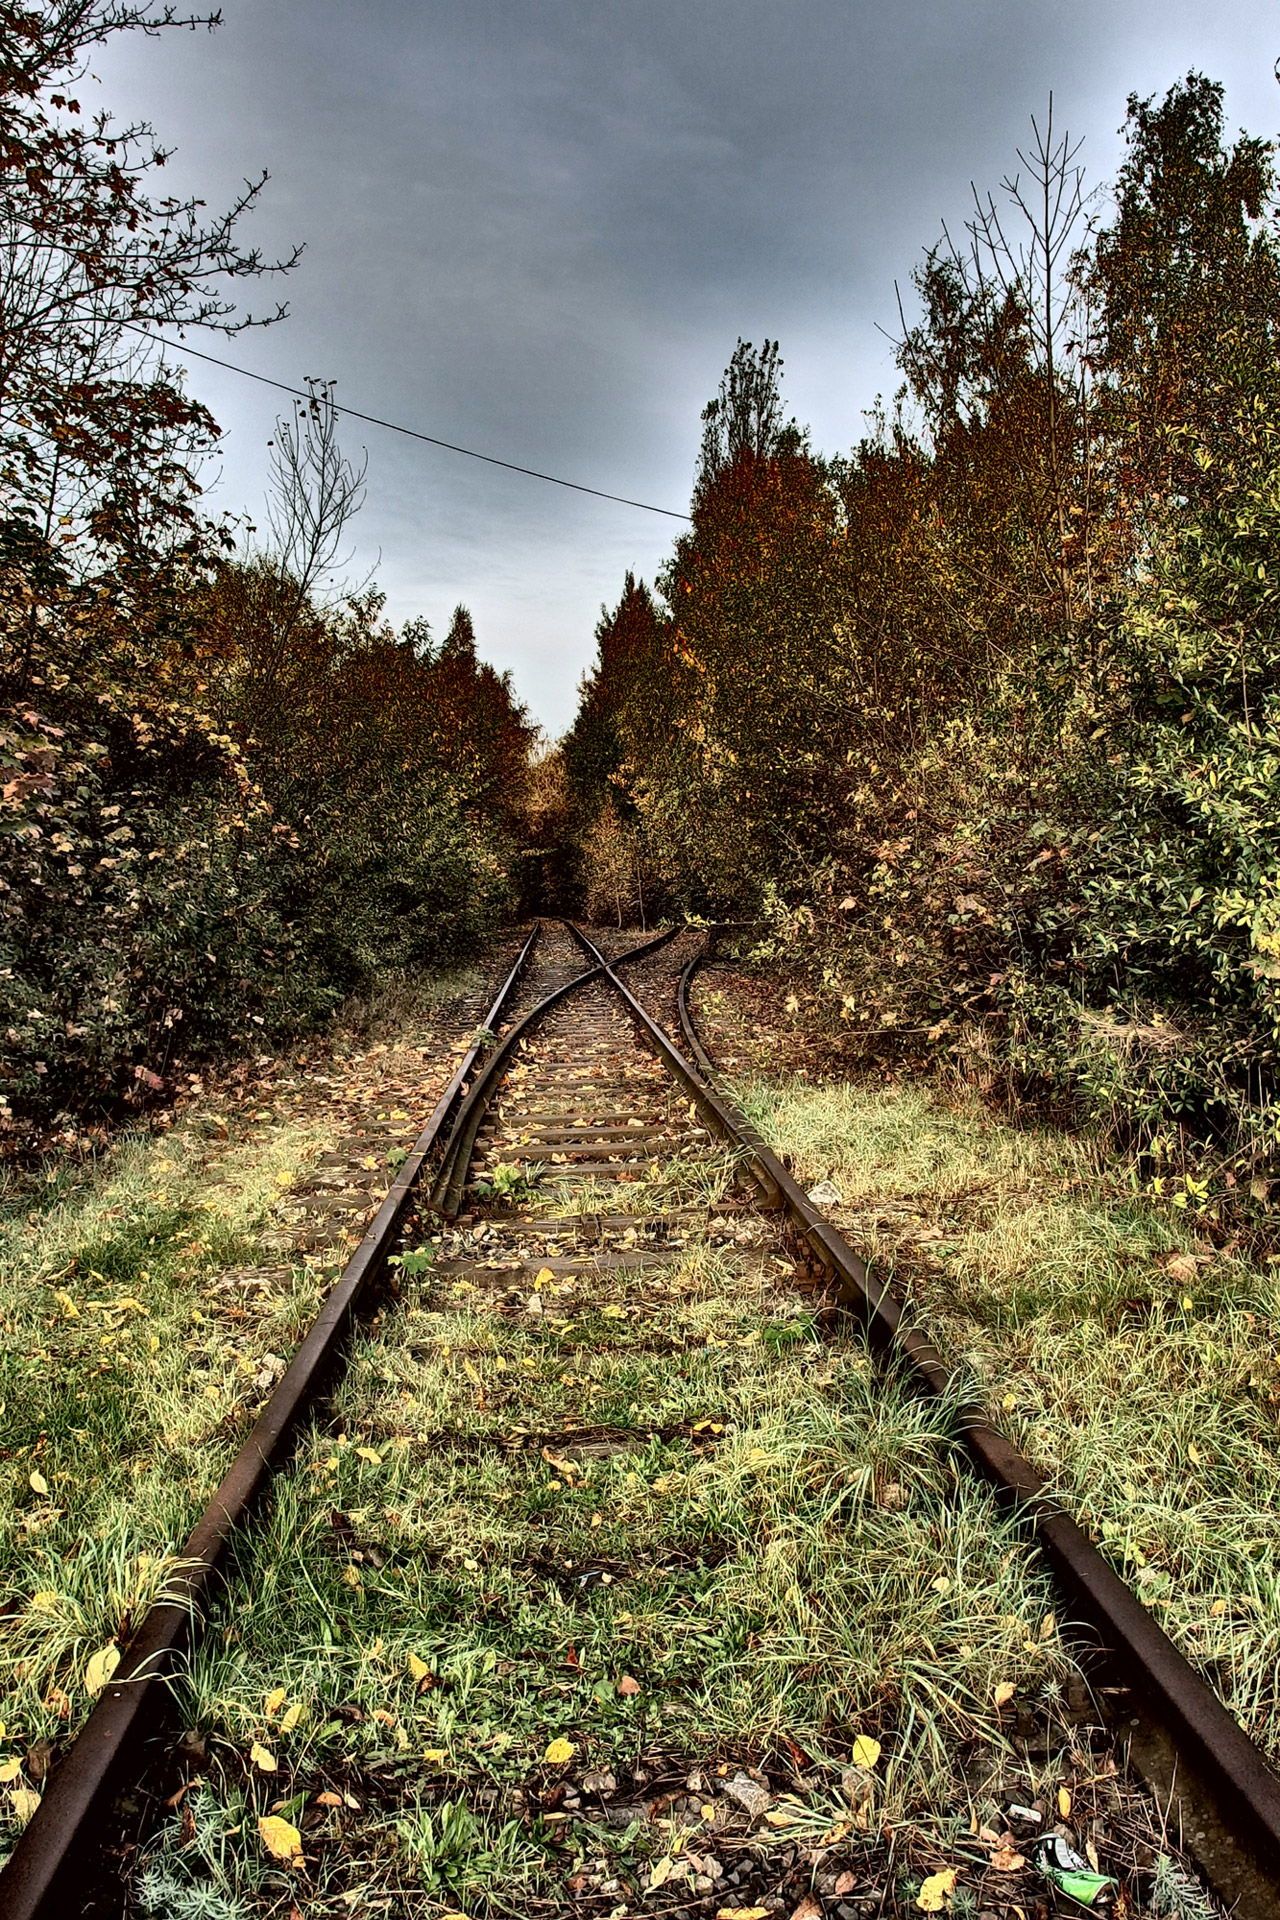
x,y
410,433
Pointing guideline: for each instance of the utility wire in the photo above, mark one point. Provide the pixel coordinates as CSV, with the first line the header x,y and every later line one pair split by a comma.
x,y
410,433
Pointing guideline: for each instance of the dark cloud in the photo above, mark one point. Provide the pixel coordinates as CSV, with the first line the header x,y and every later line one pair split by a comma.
x,y
537,227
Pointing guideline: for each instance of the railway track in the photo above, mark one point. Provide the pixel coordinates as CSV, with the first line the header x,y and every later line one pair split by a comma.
x,y
595,1486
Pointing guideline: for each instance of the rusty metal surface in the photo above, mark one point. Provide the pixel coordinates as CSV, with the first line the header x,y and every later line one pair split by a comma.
x,y
1190,1748
598,1115
48,1866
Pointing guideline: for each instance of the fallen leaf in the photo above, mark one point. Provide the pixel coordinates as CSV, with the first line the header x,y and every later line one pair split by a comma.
x,y
291,1717
1064,1804
421,1671
808,1909
936,1891
37,1483
273,1702
559,1751
262,1757
100,1666
1007,1860
9,1770
280,1838
742,1913
628,1687
866,1751
328,1799
661,1871
1004,1693
24,1801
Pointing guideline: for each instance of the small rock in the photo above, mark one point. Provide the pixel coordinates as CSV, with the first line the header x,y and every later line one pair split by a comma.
x,y
749,1794
826,1194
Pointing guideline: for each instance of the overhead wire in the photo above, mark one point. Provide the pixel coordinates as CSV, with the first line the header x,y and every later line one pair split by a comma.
x,y
396,426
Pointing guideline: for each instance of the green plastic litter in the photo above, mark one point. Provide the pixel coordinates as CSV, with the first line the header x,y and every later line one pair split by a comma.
x,y
1067,1873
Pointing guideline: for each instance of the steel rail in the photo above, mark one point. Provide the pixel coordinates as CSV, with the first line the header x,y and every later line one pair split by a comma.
x,y
48,1871
447,1193
1186,1743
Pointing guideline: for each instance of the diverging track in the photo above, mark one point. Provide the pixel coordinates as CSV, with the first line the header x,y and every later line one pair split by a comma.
x,y
612,1577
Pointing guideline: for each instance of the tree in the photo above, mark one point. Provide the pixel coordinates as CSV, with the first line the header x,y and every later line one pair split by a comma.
x,y
745,418
97,438
459,644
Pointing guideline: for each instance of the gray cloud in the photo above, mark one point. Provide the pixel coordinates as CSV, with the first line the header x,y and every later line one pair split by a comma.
x,y
538,226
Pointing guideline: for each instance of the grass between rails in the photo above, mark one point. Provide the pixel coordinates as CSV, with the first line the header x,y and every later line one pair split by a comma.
x,y
637,1526
1135,1363
137,1340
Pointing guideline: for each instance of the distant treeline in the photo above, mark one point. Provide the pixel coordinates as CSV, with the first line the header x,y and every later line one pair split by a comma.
x,y
983,720
229,793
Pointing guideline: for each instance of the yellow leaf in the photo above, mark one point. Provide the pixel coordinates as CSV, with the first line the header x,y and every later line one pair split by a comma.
x,y
661,1872
419,1668
37,1483
370,1454
1004,1693
543,1277
273,1702
866,1751
291,1717
936,1891
9,1770
281,1839
100,1666
434,1754
24,1803
559,1751
262,1757
741,1913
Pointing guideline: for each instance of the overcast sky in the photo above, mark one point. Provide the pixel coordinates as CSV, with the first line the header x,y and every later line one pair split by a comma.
x,y
537,227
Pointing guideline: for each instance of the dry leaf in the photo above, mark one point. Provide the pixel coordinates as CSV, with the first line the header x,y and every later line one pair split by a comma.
x,y
37,1483
628,1687
558,1751
742,1913
281,1839
866,1751
1064,1804
262,1757
936,1891
1007,1860
808,1909
23,1801
1004,1693
100,1666
273,1702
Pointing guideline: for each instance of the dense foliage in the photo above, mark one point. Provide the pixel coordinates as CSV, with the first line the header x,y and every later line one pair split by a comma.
x,y
228,792
982,719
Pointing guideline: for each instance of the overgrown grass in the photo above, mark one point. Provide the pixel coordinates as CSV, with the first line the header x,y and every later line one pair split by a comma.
x,y
126,1378
142,1323
1135,1362
665,1478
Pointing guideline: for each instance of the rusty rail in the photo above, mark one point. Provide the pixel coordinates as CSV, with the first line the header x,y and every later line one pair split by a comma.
x,y
1186,1744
